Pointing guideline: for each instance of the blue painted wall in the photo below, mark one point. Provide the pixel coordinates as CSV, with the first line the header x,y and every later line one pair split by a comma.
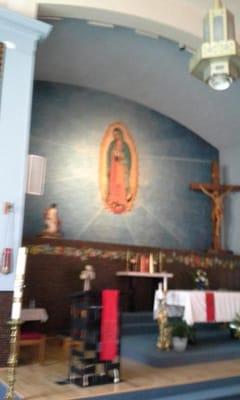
x,y
68,124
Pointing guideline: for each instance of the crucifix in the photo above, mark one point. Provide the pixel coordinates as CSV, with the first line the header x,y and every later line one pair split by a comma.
x,y
87,275
216,192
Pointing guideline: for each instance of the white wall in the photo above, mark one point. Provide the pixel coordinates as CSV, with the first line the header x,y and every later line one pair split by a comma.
x,y
169,18
230,161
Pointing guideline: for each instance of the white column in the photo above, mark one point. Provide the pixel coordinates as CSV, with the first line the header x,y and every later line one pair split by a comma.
x,y
20,35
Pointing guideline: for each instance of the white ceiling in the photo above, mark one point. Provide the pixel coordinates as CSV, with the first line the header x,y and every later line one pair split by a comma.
x,y
151,72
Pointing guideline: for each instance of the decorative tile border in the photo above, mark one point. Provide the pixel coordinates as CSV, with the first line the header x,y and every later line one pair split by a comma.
x,y
191,260
201,261
84,253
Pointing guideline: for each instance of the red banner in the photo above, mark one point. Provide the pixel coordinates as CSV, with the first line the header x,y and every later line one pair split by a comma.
x,y
109,334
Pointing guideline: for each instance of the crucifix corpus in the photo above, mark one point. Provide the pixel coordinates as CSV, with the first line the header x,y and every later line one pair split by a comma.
x,y
216,192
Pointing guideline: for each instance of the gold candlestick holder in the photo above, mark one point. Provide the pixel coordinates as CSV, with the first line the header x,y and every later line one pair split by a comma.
x,y
165,338
15,321
13,358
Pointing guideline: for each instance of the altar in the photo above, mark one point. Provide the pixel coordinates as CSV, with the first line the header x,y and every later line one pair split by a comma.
x,y
199,306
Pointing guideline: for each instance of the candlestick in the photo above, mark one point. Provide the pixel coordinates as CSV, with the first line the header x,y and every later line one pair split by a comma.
x,y
15,321
12,360
164,338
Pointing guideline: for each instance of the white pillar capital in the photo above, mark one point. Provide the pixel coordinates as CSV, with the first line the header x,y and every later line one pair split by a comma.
x,y
20,32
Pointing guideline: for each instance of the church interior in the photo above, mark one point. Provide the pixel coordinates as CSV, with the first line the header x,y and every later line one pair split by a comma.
x,y
120,196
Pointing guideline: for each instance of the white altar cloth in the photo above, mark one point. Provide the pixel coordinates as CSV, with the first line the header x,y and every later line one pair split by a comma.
x,y
227,304
34,314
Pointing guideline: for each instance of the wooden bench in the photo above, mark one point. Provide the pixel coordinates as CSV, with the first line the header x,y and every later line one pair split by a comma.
x,y
34,339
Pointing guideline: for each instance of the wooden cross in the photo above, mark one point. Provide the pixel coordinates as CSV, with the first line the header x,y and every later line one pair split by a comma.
x,y
216,192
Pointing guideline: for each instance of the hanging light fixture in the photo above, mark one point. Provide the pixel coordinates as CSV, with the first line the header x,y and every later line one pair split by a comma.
x,y
217,61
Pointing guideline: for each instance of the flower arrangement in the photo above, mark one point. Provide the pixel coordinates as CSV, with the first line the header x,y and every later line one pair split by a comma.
x,y
201,279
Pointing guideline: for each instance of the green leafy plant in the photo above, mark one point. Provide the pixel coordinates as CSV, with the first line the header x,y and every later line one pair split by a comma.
x,y
180,329
235,326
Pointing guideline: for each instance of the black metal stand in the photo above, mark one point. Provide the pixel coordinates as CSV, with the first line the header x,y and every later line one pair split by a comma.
x,y
85,367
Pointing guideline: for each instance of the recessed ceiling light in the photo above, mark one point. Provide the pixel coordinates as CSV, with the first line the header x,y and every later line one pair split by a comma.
x,y
101,24
51,18
151,35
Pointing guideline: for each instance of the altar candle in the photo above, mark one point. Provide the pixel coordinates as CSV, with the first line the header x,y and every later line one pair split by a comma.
x,y
128,257
151,265
16,311
18,284
160,259
165,284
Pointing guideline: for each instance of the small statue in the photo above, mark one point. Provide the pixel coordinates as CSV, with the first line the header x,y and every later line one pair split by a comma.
x,y
87,275
52,222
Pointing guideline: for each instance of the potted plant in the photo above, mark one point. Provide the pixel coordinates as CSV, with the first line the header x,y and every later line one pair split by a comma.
x,y
235,327
180,332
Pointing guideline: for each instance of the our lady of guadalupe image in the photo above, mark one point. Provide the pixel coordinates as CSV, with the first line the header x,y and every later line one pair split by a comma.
x,y
118,169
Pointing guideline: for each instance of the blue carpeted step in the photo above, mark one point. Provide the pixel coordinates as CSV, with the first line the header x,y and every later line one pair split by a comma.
x,y
138,323
142,348
139,329
136,317
228,388
207,394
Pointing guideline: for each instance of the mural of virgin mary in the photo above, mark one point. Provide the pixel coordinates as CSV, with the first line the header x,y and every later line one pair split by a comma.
x,y
119,166
118,174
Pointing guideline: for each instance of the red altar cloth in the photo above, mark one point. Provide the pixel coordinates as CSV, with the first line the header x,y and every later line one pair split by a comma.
x,y
210,306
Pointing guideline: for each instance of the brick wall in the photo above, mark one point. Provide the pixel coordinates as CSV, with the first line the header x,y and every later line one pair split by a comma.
x,y
5,311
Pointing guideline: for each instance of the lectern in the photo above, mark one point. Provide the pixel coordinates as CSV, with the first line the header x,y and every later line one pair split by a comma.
x,y
95,324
